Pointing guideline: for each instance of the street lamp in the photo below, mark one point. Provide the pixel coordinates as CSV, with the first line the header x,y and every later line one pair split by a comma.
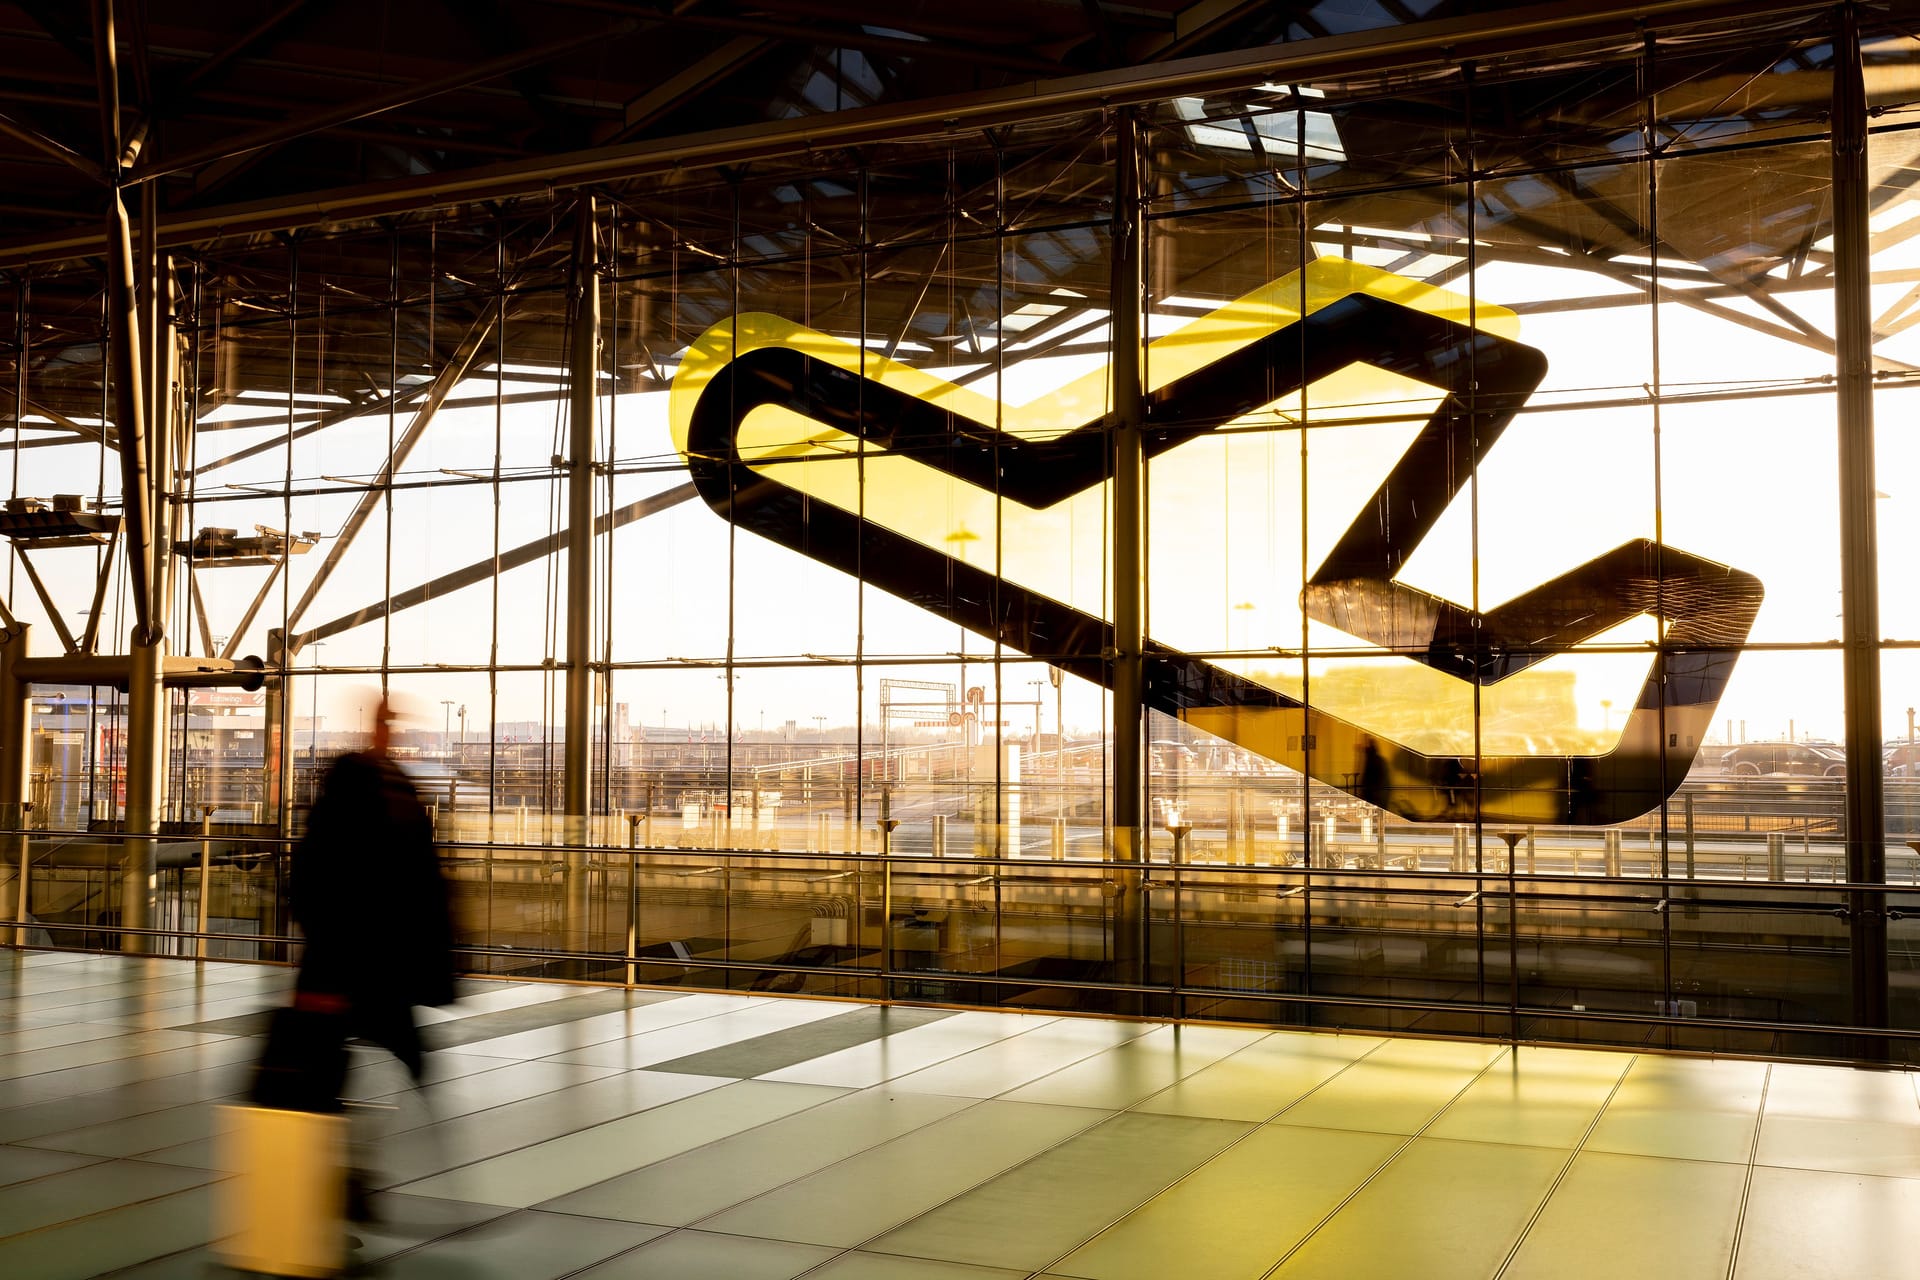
x,y
446,726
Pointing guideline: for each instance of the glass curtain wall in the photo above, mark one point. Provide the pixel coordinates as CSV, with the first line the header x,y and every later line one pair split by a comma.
x,y
1490,519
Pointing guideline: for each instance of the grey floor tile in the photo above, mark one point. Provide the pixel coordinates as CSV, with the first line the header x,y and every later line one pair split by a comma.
x,y
136,1134
793,1045
644,1048
575,1034
519,1246
89,1189
704,1255
24,1164
493,1026
112,1049
139,1098
1035,1213
111,1240
408,1222
188,1264
904,1052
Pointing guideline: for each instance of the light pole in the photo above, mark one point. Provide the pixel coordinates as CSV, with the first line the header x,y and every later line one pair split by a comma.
x,y
446,726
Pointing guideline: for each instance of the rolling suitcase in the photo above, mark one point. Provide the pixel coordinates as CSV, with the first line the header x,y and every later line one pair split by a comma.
x,y
283,1209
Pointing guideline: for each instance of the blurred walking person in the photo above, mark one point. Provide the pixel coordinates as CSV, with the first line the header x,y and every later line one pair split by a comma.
x,y
367,892
368,895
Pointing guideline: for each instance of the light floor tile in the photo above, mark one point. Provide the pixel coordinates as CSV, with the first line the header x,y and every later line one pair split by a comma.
x,y
1441,1211
1534,1098
434,1148
1237,1215
1683,1108
1263,1078
556,1167
1802,1225
1398,1088
1615,1216
1035,1213
881,1266
1007,1064
861,1197
1840,1146
1839,1093
1136,1070
504,1083
703,1255
721,1174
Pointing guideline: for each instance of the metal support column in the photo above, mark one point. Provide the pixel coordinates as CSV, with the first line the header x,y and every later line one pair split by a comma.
x,y
583,379
146,741
276,760
1129,639
1860,606
16,718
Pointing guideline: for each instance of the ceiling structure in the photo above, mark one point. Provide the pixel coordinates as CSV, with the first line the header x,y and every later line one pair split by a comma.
x,y
339,156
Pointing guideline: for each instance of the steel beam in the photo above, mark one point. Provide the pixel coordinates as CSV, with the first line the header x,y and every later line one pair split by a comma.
x,y
443,385
289,130
583,380
16,718
1124,306
1412,45
493,566
1859,562
123,336
26,133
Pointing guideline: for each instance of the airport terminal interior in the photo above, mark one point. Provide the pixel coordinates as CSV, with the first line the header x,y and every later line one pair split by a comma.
x,y
1048,637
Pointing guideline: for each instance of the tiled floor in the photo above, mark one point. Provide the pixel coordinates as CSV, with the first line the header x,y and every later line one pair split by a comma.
x,y
572,1131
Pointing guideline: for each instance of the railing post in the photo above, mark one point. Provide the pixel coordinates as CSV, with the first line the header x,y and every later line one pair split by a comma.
x,y
206,878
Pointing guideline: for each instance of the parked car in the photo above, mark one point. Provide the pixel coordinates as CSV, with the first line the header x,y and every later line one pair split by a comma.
x,y
1899,759
1792,759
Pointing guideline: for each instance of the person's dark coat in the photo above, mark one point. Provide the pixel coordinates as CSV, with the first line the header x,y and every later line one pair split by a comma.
x,y
367,892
